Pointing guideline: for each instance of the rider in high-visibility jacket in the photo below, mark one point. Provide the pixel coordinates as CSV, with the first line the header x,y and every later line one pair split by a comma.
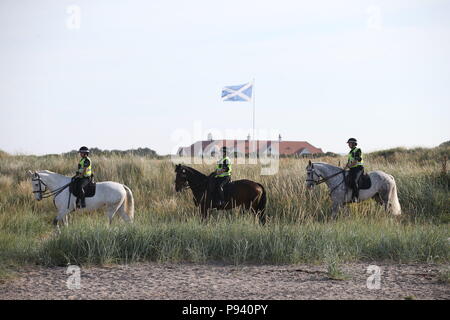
x,y
356,165
83,176
222,174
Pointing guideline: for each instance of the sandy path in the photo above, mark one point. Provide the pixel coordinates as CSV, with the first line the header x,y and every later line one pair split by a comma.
x,y
207,281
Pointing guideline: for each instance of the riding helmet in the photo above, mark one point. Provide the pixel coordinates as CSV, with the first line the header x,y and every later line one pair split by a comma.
x,y
352,140
84,150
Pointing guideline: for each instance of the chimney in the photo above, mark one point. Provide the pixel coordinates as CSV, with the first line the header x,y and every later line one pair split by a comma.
x,y
279,138
210,137
248,137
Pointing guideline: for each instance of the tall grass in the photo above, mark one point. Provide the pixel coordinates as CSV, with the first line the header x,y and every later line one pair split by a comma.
x,y
168,228
240,240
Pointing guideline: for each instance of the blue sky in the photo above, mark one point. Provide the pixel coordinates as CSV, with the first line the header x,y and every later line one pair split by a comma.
x,y
149,73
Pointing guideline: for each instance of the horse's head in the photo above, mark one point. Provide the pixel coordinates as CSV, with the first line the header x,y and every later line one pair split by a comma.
x,y
39,186
181,181
312,177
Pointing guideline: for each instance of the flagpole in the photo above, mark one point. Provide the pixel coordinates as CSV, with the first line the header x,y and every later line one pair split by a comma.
x,y
254,138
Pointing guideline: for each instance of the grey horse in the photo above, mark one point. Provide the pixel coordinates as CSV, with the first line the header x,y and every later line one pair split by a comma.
x,y
383,188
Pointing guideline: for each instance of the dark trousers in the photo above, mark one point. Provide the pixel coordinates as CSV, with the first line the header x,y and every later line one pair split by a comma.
x,y
80,183
220,182
354,175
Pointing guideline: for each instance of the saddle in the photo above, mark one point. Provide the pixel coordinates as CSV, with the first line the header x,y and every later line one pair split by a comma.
x,y
227,190
89,189
364,181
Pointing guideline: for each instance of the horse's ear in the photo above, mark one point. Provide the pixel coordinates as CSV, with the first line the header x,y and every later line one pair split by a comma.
x,y
309,163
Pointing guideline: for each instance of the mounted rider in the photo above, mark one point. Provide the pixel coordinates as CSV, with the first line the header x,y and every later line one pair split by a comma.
x,y
356,165
222,175
83,176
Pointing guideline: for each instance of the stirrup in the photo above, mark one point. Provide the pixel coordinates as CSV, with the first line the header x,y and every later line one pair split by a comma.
x,y
220,203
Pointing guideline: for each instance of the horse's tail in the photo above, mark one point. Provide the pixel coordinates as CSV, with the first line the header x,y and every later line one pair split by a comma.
x,y
261,208
393,200
129,203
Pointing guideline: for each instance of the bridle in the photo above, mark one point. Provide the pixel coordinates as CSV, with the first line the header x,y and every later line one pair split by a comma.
x,y
194,187
46,193
325,179
186,184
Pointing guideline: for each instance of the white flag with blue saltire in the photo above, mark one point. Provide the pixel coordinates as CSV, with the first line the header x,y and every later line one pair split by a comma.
x,y
241,92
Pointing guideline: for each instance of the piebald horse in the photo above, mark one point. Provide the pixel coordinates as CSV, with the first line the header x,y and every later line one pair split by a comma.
x,y
383,188
114,196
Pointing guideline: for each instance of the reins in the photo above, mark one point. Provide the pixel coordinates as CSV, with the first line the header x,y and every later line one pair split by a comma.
x,y
189,185
48,193
194,187
343,180
324,179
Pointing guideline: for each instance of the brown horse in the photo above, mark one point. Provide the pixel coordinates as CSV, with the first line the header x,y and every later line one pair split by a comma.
x,y
240,193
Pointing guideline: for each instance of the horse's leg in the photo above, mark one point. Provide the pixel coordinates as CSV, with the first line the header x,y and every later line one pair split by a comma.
x,y
262,217
205,207
123,214
55,223
253,206
62,216
66,220
378,199
204,211
384,197
112,209
204,214
335,208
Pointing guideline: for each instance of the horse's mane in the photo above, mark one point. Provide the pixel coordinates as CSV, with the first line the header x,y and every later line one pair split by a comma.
x,y
333,167
192,170
50,172
44,171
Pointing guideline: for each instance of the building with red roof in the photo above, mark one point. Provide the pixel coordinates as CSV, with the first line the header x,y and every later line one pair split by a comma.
x,y
245,147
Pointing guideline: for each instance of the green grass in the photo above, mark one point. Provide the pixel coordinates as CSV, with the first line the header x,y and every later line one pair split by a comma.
x,y
335,272
242,241
168,228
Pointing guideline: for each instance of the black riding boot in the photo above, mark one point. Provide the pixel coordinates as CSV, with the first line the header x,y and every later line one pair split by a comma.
x,y
82,198
355,194
221,182
221,197
355,174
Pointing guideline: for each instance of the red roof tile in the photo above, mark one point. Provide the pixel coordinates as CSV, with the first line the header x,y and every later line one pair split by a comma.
x,y
285,147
